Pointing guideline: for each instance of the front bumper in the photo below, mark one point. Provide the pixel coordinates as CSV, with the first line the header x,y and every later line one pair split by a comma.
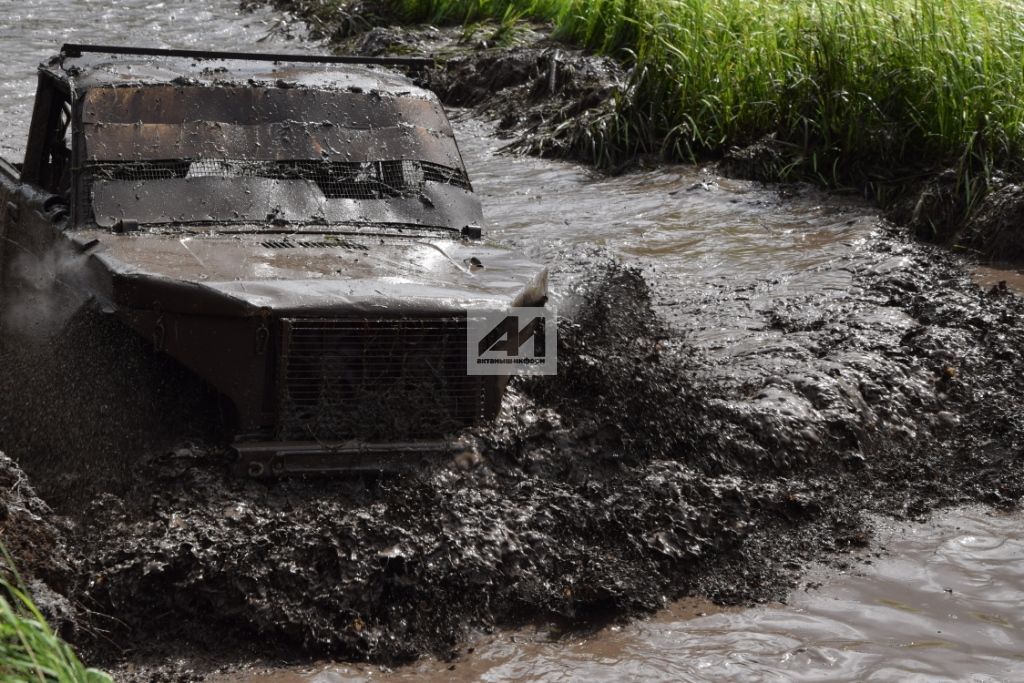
x,y
281,458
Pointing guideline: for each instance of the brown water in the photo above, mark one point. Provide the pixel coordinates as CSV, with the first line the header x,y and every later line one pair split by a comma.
x,y
33,30
699,235
987,276
944,598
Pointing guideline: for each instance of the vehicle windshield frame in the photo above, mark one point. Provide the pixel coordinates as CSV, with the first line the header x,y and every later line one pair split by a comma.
x,y
251,153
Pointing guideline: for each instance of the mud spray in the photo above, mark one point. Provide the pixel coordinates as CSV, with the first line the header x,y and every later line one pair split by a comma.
x,y
80,395
634,477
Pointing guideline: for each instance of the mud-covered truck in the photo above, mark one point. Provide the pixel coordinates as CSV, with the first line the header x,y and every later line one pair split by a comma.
x,y
299,232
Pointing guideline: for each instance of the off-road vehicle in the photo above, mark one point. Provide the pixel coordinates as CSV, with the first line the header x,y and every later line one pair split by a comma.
x,y
300,232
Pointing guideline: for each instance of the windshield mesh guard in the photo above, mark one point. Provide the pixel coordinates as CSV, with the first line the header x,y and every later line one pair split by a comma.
x,y
336,179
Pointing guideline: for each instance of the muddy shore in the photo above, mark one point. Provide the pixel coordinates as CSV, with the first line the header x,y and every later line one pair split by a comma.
x,y
651,468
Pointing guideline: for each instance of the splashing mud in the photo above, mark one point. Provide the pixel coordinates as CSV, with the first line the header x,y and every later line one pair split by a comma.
x,y
621,485
745,371
40,307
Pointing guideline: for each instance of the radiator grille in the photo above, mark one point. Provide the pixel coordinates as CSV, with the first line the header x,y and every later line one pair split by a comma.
x,y
376,379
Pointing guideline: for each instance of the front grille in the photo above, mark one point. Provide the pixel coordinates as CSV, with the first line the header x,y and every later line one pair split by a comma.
x,y
376,379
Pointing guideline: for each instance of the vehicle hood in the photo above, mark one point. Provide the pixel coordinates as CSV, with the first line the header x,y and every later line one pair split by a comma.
x,y
305,273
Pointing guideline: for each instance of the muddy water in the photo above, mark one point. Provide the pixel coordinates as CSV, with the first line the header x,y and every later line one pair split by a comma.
x,y
721,253
32,30
699,235
987,276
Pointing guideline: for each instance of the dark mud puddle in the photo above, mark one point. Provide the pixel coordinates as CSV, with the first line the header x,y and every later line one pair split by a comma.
x,y
744,373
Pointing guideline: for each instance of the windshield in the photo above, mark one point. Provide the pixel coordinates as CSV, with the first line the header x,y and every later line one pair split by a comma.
x,y
231,155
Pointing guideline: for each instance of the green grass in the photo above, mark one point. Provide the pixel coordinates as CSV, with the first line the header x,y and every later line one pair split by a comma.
x,y
857,92
29,649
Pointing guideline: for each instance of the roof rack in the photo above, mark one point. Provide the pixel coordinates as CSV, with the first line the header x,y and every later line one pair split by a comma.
x,y
77,50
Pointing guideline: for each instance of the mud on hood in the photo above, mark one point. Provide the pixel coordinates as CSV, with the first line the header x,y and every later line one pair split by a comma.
x,y
306,273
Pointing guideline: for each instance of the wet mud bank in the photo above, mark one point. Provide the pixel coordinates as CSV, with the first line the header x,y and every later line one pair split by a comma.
x,y
33,539
926,600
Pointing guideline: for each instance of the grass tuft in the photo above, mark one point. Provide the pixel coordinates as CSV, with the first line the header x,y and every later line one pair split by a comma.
x,y
30,652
